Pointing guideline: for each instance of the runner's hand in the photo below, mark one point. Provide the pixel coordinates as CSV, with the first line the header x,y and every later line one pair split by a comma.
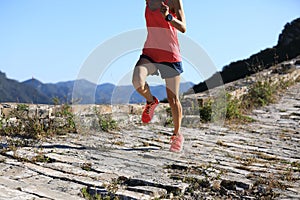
x,y
164,9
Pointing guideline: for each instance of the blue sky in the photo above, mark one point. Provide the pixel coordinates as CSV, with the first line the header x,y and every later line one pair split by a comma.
x,y
51,39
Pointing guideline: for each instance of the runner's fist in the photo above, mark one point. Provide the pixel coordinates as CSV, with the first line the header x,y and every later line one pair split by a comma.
x,y
164,9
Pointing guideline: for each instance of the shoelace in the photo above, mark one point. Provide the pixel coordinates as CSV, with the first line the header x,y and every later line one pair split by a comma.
x,y
173,138
148,107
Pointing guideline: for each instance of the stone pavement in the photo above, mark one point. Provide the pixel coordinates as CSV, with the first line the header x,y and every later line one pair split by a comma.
x,y
260,160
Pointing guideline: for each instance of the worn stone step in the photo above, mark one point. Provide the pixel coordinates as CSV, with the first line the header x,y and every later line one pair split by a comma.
x,y
63,176
132,195
16,194
32,189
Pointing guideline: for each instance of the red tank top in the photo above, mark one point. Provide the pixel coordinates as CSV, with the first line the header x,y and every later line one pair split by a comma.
x,y
162,41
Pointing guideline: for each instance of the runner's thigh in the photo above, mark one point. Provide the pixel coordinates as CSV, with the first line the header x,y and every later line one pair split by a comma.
x,y
143,68
172,86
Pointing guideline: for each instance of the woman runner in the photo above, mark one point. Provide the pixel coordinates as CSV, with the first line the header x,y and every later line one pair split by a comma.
x,y
161,54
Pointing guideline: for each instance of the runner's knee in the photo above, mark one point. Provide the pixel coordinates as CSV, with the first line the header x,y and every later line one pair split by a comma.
x,y
173,100
137,82
138,77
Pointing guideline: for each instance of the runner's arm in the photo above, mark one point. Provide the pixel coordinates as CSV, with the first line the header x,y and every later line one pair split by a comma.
x,y
179,23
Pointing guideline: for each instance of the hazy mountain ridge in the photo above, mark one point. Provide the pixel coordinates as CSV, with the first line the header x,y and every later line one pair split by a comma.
x,y
13,91
78,91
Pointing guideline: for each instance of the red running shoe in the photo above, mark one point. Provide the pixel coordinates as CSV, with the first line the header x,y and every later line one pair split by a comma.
x,y
176,143
149,110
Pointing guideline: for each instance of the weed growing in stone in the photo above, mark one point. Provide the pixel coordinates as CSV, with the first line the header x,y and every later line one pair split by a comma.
x,y
106,122
41,158
196,183
92,194
86,166
169,119
85,193
296,166
119,143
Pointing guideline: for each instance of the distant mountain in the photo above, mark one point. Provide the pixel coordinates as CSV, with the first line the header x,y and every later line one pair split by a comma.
x,y
288,47
60,90
85,92
13,91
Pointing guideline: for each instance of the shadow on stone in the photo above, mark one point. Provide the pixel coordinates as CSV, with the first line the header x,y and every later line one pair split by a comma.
x,y
60,146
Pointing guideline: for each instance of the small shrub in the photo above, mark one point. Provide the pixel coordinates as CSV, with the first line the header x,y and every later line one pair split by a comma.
x,y
107,123
206,111
23,124
230,109
19,123
233,108
259,94
65,112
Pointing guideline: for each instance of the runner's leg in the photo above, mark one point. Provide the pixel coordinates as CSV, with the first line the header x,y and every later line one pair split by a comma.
x,y
143,69
172,87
